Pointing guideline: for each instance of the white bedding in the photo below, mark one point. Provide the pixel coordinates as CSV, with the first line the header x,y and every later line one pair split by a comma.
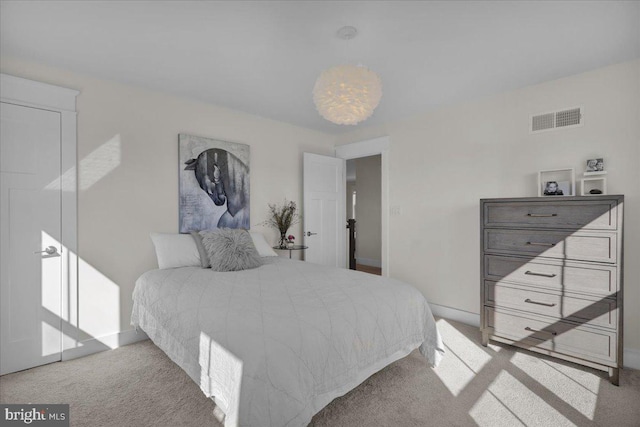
x,y
276,344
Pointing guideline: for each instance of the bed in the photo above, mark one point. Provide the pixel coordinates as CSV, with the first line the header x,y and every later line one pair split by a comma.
x,y
275,344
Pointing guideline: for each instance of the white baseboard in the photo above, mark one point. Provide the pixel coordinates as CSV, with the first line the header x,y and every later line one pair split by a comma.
x,y
369,262
107,342
461,316
631,356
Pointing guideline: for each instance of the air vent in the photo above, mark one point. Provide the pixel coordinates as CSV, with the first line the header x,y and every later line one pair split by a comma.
x,y
568,118
542,122
565,118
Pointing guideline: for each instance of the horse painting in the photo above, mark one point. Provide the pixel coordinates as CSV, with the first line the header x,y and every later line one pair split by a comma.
x,y
222,179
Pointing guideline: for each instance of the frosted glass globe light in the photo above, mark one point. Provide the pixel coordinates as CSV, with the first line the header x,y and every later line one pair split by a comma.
x,y
347,94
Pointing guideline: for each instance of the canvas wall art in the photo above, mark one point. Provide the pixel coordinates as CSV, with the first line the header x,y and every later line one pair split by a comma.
x,y
214,184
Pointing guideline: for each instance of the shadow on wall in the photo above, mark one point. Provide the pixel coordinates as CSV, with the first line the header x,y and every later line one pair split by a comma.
x,y
92,311
95,166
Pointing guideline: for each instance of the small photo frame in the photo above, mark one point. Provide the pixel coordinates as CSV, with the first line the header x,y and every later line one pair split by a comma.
x,y
556,188
556,182
595,167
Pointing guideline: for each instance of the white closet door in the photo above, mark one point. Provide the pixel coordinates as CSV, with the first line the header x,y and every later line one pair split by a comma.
x,y
30,216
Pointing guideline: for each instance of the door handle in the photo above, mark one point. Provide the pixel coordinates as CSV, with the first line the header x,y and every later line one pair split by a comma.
x,y
50,252
540,331
530,301
541,244
533,273
310,234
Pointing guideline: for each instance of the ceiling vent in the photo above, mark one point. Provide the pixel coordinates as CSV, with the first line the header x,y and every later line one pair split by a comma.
x,y
566,118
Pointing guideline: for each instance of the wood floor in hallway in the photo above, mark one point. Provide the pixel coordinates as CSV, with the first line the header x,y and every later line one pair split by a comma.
x,y
368,269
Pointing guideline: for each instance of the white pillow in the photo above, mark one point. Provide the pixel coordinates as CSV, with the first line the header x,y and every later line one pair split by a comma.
x,y
175,250
264,249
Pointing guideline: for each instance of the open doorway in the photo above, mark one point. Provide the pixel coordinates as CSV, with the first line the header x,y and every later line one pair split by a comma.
x,y
372,147
364,209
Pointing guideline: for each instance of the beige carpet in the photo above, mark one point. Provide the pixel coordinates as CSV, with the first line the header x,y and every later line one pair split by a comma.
x,y
138,385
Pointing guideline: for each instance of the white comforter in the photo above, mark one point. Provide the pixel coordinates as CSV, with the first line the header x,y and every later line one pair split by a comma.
x,y
276,344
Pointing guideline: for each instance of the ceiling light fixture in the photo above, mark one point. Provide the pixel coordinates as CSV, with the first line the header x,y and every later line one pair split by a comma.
x,y
347,94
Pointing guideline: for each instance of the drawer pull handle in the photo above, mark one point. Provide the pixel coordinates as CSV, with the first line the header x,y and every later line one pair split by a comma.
x,y
541,244
533,273
540,303
541,215
545,332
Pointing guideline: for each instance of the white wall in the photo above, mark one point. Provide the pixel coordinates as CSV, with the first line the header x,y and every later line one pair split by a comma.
x,y
128,178
442,162
368,215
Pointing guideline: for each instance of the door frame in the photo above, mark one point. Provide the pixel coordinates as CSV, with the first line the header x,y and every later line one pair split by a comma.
x,y
372,147
33,94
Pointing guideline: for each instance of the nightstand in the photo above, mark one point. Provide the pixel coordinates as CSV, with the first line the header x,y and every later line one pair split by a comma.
x,y
291,249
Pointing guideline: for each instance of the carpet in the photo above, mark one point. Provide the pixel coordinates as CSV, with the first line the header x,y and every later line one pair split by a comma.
x,y
137,385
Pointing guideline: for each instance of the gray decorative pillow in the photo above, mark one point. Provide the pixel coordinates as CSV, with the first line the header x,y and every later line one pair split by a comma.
x,y
204,257
230,249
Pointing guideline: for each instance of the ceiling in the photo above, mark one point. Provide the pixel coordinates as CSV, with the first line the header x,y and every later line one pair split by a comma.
x,y
264,57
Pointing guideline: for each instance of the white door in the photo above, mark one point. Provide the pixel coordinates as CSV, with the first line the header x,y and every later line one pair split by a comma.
x,y
30,220
324,210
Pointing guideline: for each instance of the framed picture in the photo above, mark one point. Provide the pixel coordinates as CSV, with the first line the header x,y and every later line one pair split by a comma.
x,y
214,184
595,167
556,182
557,188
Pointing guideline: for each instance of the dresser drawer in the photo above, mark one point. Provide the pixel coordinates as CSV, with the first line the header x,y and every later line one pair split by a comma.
x,y
594,215
577,245
559,336
594,312
566,276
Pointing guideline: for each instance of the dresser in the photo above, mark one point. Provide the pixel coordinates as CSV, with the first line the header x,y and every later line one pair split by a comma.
x,y
551,277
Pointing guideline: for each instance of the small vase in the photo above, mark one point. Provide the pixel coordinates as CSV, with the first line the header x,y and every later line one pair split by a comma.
x,y
283,240
290,245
